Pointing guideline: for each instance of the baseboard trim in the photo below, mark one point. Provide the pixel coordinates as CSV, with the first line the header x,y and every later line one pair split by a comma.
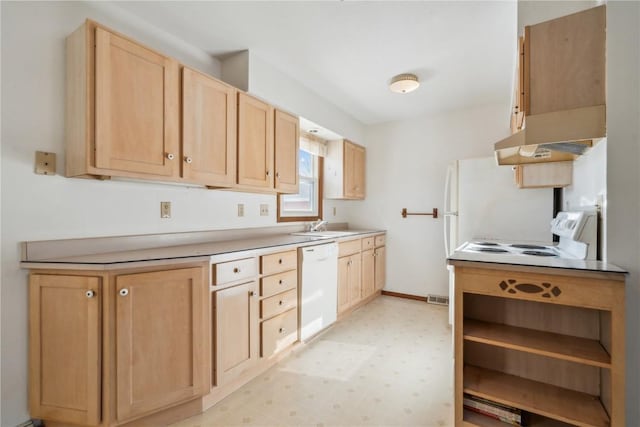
x,y
406,296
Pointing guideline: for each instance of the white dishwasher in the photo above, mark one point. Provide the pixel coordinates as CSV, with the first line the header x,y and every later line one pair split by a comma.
x,y
319,284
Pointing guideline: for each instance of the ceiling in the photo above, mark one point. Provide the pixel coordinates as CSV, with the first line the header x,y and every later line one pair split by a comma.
x,y
347,51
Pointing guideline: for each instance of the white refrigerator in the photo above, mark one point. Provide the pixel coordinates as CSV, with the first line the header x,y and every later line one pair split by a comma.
x,y
483,202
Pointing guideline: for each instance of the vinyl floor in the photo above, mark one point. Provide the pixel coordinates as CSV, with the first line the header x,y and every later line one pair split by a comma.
x,y
388,364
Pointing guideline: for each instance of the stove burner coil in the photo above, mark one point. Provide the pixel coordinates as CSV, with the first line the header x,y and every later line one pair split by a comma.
x,y
536,247
493,250
539,253
485,243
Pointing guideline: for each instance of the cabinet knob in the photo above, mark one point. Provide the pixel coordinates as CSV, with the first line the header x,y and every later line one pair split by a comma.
x,y
268,173
280,261
188,159
281,330
90,294
124,292
280,282
280,302
277,174
236,270
253,294
170,156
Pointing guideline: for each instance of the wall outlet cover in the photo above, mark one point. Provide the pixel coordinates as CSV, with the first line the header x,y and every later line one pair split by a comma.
x,y
165,210
264,210
240,209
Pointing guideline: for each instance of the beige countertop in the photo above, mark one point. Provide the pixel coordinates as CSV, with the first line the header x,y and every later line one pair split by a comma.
x,y
531,261
215,251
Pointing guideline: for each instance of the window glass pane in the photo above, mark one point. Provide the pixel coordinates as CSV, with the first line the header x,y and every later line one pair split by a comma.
x,y
306,163
303,202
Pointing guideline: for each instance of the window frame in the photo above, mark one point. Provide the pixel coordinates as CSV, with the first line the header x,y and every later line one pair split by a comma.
x,y
281,218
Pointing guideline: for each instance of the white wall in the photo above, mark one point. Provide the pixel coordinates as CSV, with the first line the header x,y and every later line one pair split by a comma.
x,y
36,207
623,174
269,82
406,166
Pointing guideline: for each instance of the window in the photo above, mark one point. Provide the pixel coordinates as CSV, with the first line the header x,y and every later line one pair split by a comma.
x,y
307,204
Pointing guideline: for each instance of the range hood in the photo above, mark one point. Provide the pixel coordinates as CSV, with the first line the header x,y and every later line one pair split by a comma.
x,y
553,137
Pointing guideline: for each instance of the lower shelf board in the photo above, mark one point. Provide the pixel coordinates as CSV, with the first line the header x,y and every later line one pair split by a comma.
x,y
550,401
478,420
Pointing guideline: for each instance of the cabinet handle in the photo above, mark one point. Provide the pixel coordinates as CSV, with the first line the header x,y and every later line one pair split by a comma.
x,y
280,261
281,330
170,156
280,302
90,294
188,159
236,270
280,282
124,292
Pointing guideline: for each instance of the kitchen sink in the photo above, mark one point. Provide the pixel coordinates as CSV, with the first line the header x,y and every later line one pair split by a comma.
x,y
325,233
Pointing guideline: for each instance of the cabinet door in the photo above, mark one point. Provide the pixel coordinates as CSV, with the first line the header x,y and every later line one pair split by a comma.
x,y
368,273
255,142
381,270
236,331
160,339
355,279
136,108
287,131
343,283
354,172
208,130
64,348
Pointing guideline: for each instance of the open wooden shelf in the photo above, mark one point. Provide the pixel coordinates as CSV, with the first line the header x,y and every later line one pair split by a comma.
x,y
473,419
566,347
558,403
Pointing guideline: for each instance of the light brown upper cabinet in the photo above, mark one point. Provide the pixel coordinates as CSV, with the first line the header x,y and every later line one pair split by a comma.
x,y
255,142
287,142
208,130
565,62
122,115
344,167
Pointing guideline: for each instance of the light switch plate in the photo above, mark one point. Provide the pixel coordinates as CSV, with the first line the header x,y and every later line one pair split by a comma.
x,y
45,163
264,210
165,209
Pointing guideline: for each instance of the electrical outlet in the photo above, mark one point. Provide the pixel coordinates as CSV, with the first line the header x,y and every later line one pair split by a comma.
x,y
165,209
240,209
264,210
334,211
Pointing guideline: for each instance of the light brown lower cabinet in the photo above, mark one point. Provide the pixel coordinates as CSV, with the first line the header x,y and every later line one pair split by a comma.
x,y
64,348
380,255
110,347
159,320
368,273
236,331
547,341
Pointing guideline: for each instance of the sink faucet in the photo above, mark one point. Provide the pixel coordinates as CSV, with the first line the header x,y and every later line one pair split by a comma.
x,y
316,226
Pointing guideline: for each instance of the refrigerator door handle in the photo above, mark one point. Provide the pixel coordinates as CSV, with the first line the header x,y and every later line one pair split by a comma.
x,y
447,198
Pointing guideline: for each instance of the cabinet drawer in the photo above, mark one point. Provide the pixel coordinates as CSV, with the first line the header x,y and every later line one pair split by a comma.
x,y
278,303
234,271
279,333
272,285
381,240
348,248
282,261
367,243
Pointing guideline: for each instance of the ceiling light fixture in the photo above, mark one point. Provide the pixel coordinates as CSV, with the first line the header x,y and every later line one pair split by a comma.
x,y
404,83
